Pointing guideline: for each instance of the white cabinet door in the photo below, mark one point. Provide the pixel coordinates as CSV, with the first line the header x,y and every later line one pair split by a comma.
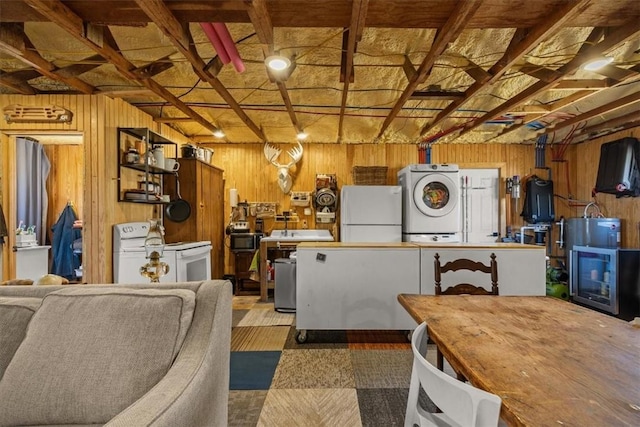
x,y
521,268
480,205
355,288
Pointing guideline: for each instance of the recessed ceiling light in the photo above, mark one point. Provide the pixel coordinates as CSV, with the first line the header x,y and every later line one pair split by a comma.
x,y
218,134
277,62
302,135
598,63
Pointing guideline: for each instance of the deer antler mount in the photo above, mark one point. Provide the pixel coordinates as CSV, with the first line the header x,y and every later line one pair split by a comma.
x,y
285,181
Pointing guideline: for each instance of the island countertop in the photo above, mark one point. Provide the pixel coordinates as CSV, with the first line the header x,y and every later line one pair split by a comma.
x,y
465,246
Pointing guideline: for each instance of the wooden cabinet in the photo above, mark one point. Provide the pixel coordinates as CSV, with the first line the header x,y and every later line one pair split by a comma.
x,y
202,185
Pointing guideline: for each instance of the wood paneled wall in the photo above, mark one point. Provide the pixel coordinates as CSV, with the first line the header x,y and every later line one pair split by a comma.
x,y
582,165
246,169
97,118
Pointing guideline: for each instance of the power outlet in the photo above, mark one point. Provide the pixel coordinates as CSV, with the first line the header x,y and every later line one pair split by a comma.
x,y
305,225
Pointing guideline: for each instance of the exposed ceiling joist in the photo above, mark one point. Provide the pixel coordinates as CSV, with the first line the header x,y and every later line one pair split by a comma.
x,y
132,93
88,64
456,22
603,109
476,72
540,73
627,121
160,14
521,43
617,37
130,50
616,73
14,42
260,18
104,45
567,101
154,68
356,27
259,15
343,57
409,69
591,84
17,80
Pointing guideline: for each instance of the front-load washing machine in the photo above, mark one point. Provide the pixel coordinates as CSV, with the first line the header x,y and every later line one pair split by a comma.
x,y
430,202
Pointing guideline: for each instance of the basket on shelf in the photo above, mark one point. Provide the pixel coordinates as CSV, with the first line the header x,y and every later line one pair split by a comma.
x,y
369,175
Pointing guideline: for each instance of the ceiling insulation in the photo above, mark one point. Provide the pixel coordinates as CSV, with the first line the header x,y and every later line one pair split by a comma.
x,y
506,72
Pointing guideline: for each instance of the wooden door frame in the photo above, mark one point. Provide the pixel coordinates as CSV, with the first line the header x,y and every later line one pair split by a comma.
x,y
8,182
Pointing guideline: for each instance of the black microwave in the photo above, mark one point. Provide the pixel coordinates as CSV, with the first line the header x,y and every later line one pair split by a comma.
x,y
245,242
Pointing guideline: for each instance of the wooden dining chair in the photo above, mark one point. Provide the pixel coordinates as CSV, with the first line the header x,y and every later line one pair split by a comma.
x,y
466,264
464,288
461,403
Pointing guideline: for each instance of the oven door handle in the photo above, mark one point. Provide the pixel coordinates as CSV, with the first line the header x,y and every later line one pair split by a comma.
x,y
193,252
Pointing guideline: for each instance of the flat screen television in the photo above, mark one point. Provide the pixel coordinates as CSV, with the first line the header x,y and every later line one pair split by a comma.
x,y
618,171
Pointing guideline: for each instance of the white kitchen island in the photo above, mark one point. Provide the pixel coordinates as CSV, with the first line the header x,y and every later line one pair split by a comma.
x,y
355,285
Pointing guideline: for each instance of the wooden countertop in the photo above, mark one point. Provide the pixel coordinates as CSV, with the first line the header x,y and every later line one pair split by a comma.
x,y
552,362
497,245
339,245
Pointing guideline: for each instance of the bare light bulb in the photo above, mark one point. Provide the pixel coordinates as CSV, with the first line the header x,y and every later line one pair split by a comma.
x,y
597,63
277,63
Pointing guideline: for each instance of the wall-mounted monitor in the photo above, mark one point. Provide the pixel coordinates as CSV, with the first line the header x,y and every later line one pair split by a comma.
x,y
618,171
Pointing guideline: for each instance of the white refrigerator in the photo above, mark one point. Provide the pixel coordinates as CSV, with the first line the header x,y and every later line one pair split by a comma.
x,y
371,213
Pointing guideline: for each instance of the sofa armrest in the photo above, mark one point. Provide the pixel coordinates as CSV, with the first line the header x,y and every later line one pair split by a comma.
x,y
195,390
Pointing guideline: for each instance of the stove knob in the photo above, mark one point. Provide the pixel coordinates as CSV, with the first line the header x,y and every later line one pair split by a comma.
x,y
434,238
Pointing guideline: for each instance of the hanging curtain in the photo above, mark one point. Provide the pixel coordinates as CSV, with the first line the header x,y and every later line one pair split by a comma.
x,y
64,262
32,170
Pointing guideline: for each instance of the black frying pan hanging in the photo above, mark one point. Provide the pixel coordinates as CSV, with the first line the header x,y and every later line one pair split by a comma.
x,y
178,210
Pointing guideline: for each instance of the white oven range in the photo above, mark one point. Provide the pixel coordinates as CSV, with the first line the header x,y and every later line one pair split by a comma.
x,y
187,261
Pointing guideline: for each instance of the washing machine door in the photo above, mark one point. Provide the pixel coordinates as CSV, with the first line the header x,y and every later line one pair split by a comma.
x,y
436,194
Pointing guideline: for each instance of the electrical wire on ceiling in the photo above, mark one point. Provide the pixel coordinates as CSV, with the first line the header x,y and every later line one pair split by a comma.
x,y
278,108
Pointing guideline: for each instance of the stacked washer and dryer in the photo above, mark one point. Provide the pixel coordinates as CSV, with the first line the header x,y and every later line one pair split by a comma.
x,y
430,203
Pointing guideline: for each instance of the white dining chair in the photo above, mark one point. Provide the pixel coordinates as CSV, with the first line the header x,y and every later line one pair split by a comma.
x,y
461,403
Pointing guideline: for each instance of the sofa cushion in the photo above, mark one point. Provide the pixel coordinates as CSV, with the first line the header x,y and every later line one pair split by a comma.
x,y
90,353
15,314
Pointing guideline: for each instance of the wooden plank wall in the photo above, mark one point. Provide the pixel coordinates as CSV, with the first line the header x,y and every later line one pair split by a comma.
x,y
97,118
583,170
246,169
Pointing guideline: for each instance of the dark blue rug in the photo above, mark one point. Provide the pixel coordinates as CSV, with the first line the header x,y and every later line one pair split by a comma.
x,y
253,370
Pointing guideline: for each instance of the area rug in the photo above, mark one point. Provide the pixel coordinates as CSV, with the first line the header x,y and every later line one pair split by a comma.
x,y
265,317
335,378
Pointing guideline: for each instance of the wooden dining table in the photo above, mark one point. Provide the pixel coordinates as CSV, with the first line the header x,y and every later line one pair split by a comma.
x,y
552,362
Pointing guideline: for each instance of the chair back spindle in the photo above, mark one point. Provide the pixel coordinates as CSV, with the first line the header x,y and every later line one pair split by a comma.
x,y
466,264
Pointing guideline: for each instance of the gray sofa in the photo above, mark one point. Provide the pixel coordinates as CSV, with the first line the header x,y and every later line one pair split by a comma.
x,y
115,355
